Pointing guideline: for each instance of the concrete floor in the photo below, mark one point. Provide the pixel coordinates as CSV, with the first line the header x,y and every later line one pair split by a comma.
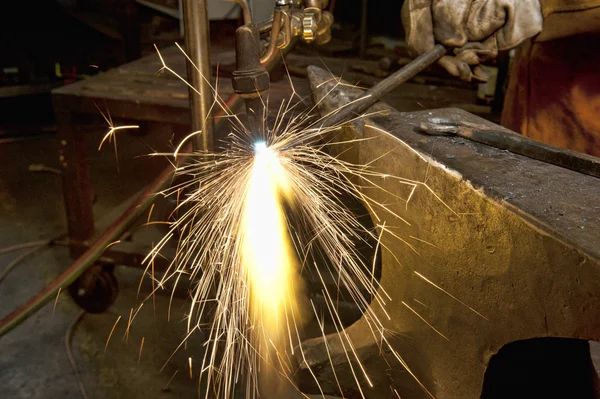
x,y
34,363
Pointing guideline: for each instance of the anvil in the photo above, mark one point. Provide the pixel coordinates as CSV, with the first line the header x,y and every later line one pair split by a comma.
x,y
502,292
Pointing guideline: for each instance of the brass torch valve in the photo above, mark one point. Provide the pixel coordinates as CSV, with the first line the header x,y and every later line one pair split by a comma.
x,y
306,19
313,24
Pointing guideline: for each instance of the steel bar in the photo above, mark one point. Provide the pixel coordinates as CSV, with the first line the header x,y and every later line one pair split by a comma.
x,y
197,45
517,144
376,92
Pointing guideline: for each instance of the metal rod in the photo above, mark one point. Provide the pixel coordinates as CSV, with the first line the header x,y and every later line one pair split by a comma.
x,y
93,253
528,147
515,143
197,45
382,88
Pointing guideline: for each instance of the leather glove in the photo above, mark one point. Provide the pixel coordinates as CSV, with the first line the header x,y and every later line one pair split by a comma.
x,y
475,30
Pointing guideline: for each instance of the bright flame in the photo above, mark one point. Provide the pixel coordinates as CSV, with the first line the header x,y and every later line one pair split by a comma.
x,y
268,256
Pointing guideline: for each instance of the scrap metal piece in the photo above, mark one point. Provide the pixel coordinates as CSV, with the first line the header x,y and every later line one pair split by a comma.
x,y
514,142
507,251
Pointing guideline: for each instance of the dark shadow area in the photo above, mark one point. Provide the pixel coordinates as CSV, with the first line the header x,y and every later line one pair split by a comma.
x,y
542,368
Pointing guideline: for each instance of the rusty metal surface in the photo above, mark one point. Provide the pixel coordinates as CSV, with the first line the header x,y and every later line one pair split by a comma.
x,y
565,202
571,201
139,91
510,238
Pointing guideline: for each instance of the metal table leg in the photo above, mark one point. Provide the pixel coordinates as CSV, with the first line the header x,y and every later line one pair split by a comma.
x,y
75,177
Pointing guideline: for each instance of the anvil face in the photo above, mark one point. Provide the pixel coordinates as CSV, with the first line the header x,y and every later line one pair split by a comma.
x,y
507,249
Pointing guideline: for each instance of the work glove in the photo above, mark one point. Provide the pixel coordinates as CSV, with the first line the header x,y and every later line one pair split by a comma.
x,y
473,30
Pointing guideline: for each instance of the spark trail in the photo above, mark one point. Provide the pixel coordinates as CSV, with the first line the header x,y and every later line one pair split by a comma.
x,y
250,221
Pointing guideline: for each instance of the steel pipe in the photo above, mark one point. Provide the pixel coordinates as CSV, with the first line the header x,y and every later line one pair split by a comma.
x,y
199,71
271,51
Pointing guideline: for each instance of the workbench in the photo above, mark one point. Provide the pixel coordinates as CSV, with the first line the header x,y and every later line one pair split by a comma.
x,y
136,92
